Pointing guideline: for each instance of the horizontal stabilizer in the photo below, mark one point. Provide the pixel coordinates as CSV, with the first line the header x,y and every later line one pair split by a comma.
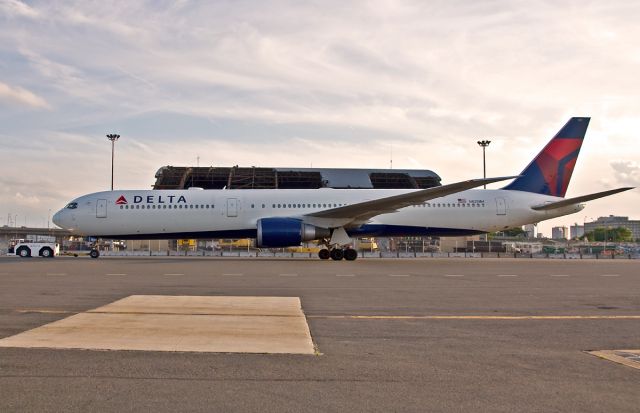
x,y
363,211
578,199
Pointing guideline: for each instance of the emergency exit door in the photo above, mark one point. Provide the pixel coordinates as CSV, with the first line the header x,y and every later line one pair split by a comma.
x,y
501,206
232,207
101,208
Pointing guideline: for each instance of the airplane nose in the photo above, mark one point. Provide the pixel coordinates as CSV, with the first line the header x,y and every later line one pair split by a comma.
x,y
57,218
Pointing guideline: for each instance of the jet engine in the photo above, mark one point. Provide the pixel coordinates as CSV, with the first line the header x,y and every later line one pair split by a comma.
x,y
287,232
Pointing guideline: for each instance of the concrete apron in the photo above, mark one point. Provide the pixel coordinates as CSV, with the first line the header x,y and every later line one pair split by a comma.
x,y
180,323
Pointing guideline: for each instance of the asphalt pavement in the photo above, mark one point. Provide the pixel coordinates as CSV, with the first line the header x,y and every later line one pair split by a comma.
x,y
496,335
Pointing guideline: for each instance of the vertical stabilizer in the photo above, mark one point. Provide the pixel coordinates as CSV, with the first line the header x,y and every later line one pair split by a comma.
x,y
550,172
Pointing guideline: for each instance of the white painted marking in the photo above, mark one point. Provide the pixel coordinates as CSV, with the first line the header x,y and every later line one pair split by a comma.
x,y
288,275
454,275
345,275
559,275
173,274
56,273
116,274
234,275
399,275
610,275
506,275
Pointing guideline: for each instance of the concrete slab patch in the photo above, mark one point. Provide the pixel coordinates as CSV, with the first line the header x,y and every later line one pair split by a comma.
x,y
629,358
180,323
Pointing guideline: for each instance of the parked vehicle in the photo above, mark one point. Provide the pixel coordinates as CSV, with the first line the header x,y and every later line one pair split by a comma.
x,y
27,248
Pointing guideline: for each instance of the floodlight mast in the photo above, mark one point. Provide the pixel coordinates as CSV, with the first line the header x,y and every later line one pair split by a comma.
x,y
113,138
484,144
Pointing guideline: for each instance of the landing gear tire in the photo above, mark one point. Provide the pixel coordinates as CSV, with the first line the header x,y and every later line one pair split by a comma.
x,y
94,254
350,254
324,254
337,254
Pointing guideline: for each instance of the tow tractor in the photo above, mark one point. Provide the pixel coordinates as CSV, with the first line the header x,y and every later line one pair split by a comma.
x,y
25,248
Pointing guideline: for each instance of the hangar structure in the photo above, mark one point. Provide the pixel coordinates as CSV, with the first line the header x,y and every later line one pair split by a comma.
x,y
236,177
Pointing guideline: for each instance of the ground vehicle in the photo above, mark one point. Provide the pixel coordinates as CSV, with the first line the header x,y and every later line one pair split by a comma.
x,y
26,248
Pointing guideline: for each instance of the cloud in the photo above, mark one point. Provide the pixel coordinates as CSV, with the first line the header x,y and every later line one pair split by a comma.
x,y
15,8
18,95
334,83
626,172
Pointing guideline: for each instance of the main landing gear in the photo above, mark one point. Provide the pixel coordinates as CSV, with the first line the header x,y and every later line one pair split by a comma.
x,y
337,254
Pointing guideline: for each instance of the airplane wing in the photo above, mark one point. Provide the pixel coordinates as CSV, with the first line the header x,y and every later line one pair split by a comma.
x,y
363,211
578,199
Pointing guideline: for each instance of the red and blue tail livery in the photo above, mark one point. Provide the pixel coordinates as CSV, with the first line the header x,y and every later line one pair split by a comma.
x,y
550,172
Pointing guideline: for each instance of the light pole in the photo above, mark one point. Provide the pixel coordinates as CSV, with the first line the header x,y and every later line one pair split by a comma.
x,y
113,138
484,144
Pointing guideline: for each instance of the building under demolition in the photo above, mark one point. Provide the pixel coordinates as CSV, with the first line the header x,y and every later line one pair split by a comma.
x,y
183,177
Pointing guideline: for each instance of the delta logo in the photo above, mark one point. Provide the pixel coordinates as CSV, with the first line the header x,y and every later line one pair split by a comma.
x,y
152,199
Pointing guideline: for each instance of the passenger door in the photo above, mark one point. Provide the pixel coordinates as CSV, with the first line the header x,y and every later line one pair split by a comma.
x,y
232,207
501,206
101,208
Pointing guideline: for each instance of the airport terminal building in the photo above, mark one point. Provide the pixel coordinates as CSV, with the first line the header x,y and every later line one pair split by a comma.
x,y
235,177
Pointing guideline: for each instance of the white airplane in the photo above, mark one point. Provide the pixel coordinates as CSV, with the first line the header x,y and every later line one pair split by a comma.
x,y
287,217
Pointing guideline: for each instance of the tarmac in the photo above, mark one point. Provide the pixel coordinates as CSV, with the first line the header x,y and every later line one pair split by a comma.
x,y
498,335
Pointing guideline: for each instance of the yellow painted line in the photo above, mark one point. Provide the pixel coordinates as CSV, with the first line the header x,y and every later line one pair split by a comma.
x,y
454,275
610,275
614,355
480,317
43,311
113,273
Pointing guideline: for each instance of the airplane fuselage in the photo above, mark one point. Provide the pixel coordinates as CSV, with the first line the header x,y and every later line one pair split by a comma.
x,y
160,214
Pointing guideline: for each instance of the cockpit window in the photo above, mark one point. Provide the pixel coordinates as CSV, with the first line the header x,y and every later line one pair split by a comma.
x,y
72,205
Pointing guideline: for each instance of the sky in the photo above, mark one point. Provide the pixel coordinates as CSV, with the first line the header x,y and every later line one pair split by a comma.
x,y
322,83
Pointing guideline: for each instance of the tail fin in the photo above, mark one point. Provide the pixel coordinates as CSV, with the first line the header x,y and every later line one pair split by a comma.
x,y
549,173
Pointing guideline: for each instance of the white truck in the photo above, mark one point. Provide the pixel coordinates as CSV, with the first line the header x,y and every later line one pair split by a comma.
x,y
40,247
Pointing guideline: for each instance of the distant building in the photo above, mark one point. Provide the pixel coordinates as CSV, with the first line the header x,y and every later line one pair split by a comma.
x,y
559,233
614,222
236,177
576,231
530,229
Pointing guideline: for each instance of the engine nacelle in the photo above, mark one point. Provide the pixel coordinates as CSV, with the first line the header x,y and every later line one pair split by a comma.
x,y
287,232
